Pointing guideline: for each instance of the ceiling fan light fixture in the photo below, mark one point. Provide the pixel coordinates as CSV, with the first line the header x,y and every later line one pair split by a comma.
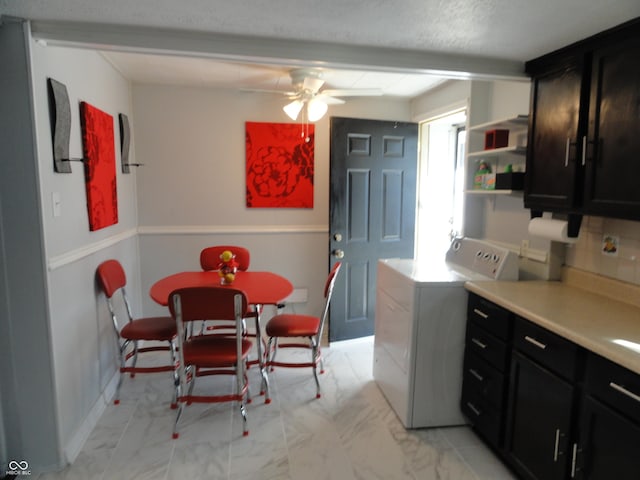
x,y
293,109
316,109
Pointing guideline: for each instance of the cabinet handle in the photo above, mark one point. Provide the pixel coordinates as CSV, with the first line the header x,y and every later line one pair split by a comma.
x,y
481,313
566,153
557,446
624,391
535,342
479,343
574,459
584,150
476,374
473,408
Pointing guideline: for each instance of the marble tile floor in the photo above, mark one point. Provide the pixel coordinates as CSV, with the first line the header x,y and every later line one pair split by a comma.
x,y
350,433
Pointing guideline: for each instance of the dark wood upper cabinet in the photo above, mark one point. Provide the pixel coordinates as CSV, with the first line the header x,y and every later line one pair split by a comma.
x,y
553,172
584,133
613,137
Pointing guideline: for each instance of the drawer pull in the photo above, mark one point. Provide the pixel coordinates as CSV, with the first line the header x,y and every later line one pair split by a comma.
x,y
556,451
479,343
473,408
476,374
574,459
481,313
624,391
535,342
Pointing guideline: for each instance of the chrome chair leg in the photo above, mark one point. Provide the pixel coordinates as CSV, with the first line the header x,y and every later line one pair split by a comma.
x,y
123,361
173,351
135,357
314,361
272,349
243,412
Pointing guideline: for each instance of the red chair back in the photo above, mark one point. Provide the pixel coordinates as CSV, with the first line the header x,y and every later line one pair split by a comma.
x,y
210,257
111,277
331,280
203,303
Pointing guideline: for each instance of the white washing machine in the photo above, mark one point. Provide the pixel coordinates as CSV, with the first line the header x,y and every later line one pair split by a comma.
x,y
421,310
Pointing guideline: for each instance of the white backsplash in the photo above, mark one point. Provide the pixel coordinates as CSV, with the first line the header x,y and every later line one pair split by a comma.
x,y
587,254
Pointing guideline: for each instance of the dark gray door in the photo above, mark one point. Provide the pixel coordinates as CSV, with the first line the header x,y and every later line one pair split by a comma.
x,y
371,213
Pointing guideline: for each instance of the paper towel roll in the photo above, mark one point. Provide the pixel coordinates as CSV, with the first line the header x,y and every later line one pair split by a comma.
x,y
551,229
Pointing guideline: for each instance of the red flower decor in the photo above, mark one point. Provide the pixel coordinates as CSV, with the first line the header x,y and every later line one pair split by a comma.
x,y
279,165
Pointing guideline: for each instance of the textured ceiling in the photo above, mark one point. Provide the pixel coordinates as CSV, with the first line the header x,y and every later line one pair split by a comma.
x,y
513,30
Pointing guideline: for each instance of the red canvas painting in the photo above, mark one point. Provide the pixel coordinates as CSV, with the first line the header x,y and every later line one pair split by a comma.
x,y
279,165
99,166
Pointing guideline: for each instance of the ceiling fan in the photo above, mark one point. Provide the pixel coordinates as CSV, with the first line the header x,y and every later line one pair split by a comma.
x,y
307,97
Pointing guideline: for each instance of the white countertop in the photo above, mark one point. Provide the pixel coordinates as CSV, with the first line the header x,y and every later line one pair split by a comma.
x,y
432,271
608,327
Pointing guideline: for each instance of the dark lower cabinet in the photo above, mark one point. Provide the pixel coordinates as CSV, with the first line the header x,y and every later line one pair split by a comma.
x,y
539,420
608,447
550,409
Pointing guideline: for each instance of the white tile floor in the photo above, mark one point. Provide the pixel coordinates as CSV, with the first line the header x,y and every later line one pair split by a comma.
x,y
349,434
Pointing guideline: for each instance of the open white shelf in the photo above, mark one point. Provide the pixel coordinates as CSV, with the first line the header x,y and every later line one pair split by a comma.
x,y
481,191
515,123
498,151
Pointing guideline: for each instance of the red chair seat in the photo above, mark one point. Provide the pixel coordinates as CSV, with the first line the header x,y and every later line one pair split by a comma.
x,y
293,325
197,351
150,328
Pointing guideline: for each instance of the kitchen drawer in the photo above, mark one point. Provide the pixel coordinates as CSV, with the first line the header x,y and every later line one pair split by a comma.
x,y
488,347
489,316
485,420
613,385
484,379
548,349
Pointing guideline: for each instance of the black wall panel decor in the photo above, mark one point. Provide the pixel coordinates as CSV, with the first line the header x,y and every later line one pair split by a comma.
x,y
125,138
60,116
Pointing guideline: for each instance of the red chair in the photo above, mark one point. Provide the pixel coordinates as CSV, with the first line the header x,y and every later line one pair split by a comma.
x,y
210,257
111,278
209,261
291,325
202,355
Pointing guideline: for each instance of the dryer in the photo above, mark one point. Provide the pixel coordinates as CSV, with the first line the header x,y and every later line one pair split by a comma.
x,y
420,321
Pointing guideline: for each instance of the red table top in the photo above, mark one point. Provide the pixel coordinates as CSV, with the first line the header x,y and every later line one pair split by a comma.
x,y
263,288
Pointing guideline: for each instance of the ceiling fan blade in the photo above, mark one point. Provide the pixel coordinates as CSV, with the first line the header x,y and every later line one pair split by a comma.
x,y
353,92
329,100
278,92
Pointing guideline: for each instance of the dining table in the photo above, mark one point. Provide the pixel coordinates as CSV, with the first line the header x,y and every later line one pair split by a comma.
x,y
261,288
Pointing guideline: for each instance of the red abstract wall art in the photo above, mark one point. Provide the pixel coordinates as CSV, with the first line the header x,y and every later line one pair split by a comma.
x,y
99,166
279,165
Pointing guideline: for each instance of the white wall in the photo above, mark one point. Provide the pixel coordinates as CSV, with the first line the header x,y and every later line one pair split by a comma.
x,y
191,191
81,335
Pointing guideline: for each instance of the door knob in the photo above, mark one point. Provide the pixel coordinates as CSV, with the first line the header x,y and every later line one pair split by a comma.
x,y
337,237
338,253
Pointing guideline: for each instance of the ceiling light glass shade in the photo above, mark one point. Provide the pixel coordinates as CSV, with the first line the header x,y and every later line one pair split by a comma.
x,y
293,109
316,109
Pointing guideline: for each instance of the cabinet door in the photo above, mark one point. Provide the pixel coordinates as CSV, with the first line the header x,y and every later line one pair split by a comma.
x,y
609,445
552,181
539,419
613,152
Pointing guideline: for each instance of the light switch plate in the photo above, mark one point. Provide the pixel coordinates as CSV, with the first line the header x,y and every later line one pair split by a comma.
x,y
56,201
